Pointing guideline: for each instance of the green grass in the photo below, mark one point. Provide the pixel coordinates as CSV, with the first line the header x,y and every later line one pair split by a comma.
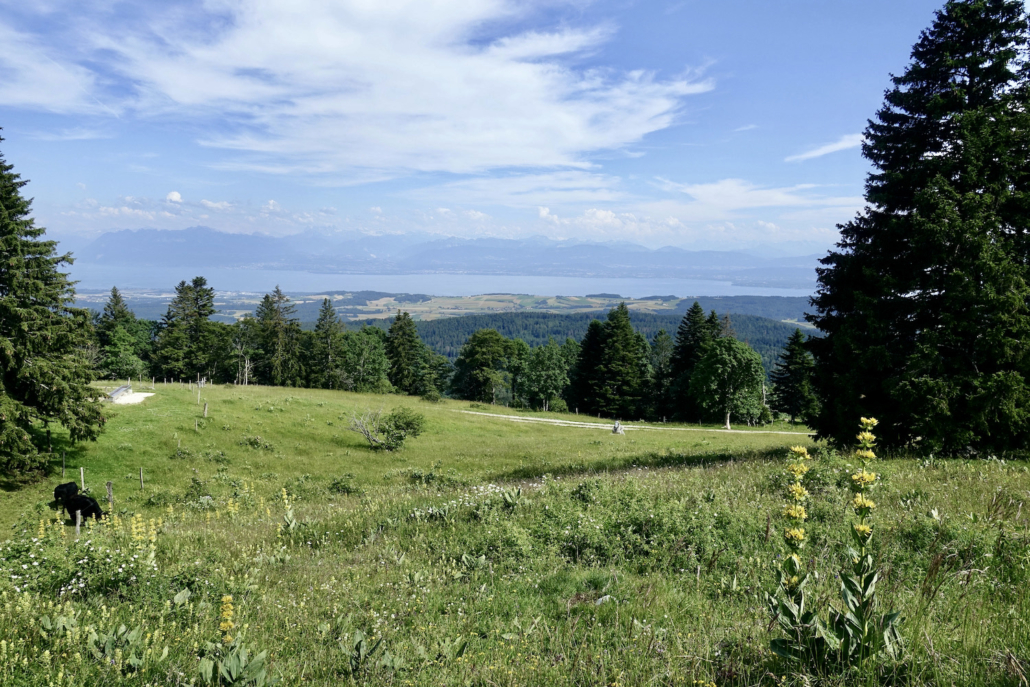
x,y
638,560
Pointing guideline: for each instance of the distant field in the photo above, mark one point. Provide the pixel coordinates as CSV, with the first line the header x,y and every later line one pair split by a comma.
x,y
363,305
486,552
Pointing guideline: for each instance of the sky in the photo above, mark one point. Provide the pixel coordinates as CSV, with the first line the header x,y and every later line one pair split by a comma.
x,y
708,125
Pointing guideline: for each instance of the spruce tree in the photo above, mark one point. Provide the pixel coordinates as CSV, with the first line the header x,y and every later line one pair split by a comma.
x,y
186,339
623,367
792,380
586,377
924,302
404,349
366,367
116,314
326,367
661,403
44,375
280,334
694,334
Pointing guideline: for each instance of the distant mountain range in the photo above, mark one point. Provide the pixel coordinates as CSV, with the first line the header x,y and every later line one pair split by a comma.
x,y
355,253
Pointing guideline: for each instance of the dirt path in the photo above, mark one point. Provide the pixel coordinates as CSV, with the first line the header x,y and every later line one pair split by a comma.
x,y
628,428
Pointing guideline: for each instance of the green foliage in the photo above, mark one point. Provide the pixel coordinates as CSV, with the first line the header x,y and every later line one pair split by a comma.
x,y
186,338
326,367
792,381
234,667
728,380
610,375
388,432
44,368
279,333
405,350
924,303
481,371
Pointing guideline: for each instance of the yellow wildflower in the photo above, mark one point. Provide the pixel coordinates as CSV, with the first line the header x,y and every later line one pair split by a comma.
x,y
863,531
865,454
867,439
226,627
862,479
797,492
797,469
868,423
795,511
800,452
862,504
795,535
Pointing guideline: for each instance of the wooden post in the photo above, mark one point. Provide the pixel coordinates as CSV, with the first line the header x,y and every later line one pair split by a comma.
x,y
110,494
78,522
198,394
196,425
141,479
82,477
205,410
62,464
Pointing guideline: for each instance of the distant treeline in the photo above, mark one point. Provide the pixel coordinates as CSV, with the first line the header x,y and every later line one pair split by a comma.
x,y
622,366
446,336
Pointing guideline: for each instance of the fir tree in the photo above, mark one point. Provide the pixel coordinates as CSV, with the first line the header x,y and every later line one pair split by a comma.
x,y
660,385
792,380
44,376
116,314
327,349
586,377
694,334
480,368
280,333
186,339
623,367
404,348
924,302
366,366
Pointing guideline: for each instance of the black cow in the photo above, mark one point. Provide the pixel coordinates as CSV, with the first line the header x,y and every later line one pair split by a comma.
x,y
65,491
86,504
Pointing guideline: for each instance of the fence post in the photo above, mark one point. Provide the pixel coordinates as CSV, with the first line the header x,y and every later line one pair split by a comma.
x,y
110,494
141,479
205,410
62,464
82,477
78,522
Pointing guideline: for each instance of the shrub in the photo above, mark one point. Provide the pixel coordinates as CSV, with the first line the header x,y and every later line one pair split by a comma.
x,y
388,432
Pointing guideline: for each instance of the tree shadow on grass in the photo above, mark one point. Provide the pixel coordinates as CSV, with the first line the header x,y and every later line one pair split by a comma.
x,y
73,457
652,459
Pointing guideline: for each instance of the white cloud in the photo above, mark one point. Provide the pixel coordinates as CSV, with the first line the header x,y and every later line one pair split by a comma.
x,y
353,88
376,210
476,215
443,211
527,190
220,205
174,197
271,207
843,143
748,127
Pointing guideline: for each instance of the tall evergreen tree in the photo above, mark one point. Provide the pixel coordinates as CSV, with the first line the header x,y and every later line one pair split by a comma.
x,y
44,377
116,313
326,365
661,401
586,377
404,348
792,380
280,333
694,334
186,338
481,368
623,367
924,302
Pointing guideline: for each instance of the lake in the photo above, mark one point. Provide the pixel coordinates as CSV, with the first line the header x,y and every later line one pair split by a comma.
x,y
91,277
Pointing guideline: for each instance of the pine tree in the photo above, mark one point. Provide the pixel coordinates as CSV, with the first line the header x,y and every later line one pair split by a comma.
x,y
326,367
792,380
280,333
404,349
186,340
116,314
44,376
694,334
586,377
924,302
623,367
366,366
660,384
481,367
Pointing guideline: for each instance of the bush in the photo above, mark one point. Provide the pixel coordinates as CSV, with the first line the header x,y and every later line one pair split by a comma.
x,y
559,405
388,432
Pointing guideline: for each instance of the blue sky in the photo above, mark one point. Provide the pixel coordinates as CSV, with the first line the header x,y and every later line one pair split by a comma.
x,y
700,124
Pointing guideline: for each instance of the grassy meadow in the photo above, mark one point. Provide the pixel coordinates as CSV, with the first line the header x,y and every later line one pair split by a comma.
x,y
484,552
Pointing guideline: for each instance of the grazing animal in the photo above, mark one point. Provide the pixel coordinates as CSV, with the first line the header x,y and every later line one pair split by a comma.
x,y
87,504
65,491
